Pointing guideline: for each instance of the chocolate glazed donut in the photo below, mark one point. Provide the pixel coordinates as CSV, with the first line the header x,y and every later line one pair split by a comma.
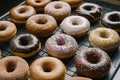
x,y
91,11
93,63
25,45
111,20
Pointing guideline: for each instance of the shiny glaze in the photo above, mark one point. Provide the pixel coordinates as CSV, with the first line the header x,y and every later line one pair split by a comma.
x,y
61,46
24,43
97,66
111,20
90,10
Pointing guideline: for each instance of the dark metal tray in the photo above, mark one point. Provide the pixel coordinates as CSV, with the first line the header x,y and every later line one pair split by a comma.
x,y
82,42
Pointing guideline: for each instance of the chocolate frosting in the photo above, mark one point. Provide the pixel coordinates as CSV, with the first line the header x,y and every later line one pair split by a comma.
x,y
24,43
111,20
90,11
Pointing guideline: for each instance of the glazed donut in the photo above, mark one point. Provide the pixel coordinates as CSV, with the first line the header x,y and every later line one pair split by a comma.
x,y
25,45
90,10
61,46
7,31
41,25
38,4
93,62
79,78
104,38
58,9
13,68
20,14
73,3
47,68
111,20
76,26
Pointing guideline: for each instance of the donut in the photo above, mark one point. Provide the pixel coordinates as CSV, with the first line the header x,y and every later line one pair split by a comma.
x,y
13,68
105,39
41,25
47,68
61,46
111,20
7,31
25,45
76,26
93,63
58,9
90,10
73,3
38,4
79,78
20,14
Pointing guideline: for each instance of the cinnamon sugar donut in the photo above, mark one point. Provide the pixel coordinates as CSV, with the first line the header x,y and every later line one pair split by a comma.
x,y
90,10
13,68
61,46
105,39
38,4
93,62
58,9
47,68
41,25
76,26
7,31
73,3
20,14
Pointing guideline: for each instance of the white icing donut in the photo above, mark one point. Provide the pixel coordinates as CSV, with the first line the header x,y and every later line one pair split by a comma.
x,y
76,26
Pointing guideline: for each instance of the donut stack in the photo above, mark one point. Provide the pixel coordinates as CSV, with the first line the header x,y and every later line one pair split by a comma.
x,y
57,16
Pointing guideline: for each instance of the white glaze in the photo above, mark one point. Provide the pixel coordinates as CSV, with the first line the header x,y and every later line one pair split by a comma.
x,y
82,25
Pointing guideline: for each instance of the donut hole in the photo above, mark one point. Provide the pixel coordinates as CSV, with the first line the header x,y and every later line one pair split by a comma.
x,y
93,58
2,28
37,1
60,41
47,67
58,6
22,10
11,66
74,23
104,34
42,21
25,40
114,18
89,8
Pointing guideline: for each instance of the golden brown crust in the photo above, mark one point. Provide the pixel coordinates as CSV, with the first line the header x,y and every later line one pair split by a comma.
x,y
38,4
41,25
79,78
20,14
73,3
13,68
7,31
47,68
108,42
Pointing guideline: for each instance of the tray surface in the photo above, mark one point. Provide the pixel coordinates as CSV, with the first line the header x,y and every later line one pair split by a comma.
x,y
69,63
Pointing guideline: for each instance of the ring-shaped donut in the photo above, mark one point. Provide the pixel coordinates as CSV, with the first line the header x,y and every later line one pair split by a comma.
x,y
61,46
47,68
76,26
25,45
93,62
111,20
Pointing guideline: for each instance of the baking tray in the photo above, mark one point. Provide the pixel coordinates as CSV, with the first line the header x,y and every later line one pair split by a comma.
x,y
82,42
